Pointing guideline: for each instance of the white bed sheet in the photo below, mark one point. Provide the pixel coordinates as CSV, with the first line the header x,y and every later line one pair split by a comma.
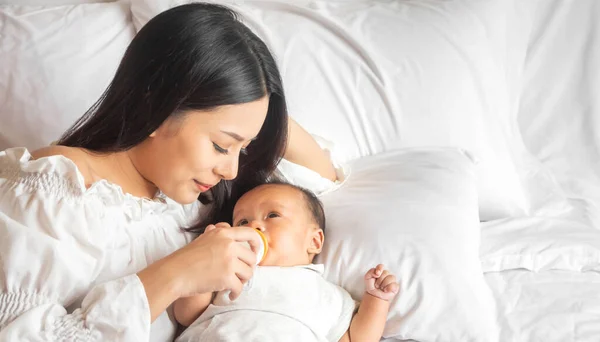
x,y
559,110
550,306
544,276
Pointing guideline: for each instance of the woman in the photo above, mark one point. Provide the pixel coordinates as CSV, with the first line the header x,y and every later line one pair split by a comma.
x,y
91,245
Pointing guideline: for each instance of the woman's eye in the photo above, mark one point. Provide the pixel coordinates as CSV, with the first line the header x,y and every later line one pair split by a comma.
x,y
242,223
220,149
272,215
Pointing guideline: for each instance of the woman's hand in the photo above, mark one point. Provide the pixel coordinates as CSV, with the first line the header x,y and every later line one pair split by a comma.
x,y
216,260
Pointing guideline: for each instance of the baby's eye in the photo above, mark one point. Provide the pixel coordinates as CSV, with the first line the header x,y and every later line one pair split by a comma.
x,y
242,222
272,215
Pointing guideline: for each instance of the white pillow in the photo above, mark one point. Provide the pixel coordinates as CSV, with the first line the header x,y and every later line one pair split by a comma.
x,y
374,76
414,210
55,62
539,244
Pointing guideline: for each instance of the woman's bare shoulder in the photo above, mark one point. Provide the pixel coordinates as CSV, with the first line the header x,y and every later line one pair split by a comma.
x,y
73,153
80,157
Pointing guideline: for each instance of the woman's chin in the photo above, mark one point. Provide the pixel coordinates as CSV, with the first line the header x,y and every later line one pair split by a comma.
x,y
184,198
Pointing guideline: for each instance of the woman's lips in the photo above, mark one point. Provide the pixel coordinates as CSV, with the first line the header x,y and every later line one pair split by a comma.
x,y
202,187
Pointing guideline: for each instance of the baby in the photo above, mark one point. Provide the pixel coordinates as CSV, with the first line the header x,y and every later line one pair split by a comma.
x,y
288,299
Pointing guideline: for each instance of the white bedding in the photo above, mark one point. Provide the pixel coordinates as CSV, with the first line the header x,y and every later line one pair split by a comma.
x,y
554,92
550,306
559,110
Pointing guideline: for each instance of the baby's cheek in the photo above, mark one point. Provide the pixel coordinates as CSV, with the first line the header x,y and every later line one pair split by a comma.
x,y
277,245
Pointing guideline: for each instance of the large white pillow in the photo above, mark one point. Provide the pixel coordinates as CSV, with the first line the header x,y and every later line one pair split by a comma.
x,y
55,62
374,76
414,210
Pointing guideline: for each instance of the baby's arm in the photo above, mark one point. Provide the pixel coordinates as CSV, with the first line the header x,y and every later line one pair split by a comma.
x,y
369,322
188,309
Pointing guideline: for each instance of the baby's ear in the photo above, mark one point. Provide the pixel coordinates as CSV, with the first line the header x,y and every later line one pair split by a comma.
x,y
316,241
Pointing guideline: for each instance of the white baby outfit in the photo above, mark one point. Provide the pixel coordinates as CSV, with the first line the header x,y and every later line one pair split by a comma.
x,y
278,304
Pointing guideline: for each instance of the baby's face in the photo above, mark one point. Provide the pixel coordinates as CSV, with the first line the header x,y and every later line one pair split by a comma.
x,y
281,213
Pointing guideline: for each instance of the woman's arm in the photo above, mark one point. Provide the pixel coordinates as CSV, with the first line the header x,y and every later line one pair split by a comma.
x,y
188,309
32,303
160,285
303,150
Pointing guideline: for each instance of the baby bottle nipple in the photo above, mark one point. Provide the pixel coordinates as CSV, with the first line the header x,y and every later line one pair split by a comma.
x,y
263,247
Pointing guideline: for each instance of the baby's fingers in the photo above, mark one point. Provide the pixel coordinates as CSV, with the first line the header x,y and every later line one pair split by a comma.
x,y
372,273
381,278
389,280
391,288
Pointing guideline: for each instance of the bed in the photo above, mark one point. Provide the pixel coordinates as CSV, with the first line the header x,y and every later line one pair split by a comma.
x,y
497,96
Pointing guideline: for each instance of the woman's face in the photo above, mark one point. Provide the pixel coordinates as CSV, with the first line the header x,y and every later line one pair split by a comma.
x,y
187,155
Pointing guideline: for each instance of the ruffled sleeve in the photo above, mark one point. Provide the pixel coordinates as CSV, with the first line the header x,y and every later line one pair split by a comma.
x,y
311,180
114,311
55,243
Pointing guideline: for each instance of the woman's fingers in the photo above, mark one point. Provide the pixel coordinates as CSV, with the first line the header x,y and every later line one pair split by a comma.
x,y
223,257
246,234
243,272
223,225
215,226
246,255
235,289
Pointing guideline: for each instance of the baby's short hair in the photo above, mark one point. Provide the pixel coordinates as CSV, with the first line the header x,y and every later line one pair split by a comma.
x,y
313,203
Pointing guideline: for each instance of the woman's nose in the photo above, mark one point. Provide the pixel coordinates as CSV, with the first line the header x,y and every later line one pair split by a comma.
x,y
229,169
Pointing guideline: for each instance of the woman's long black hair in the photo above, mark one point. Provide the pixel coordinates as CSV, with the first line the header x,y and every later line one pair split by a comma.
x,y
192,57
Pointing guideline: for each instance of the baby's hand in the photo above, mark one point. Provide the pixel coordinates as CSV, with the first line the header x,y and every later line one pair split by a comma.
x,y
381,284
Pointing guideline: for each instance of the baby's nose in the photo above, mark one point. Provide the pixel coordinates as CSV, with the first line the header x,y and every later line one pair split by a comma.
x,y
257,225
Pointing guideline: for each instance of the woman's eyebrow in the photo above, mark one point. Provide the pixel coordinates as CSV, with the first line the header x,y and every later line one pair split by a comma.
x,y
236,136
